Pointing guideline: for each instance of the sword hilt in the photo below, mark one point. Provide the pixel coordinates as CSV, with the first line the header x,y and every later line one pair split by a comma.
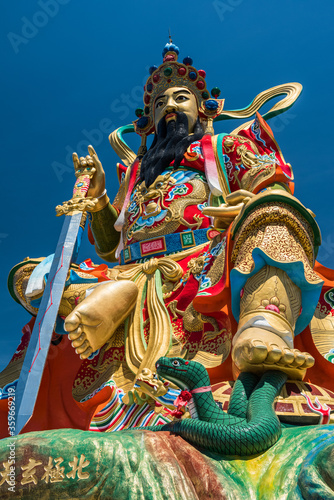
x,y
79,202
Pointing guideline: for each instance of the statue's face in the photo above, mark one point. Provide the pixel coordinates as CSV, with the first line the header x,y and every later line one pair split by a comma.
x,y
176,99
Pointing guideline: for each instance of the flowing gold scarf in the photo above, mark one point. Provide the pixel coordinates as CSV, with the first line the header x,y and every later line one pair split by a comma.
x,y
148,278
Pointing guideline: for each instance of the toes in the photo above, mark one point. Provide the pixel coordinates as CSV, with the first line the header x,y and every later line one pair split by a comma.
x,y
309,361
72,321
295,358
75,334
274,356
79,341
86,353
257,353
81,349
299,358
288,357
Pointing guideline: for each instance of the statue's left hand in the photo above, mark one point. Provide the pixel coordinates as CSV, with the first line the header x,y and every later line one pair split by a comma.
x,y
225,214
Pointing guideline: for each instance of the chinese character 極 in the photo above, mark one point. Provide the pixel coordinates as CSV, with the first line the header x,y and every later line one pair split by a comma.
x,y
54,474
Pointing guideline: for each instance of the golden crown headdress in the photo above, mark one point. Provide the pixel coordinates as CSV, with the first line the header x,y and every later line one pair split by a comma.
x,y
171,73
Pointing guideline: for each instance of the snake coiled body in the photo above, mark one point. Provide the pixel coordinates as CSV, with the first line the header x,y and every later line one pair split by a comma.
x,y
249,427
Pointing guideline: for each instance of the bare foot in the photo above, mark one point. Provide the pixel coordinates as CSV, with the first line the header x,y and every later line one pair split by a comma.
x,y
92,323
268,351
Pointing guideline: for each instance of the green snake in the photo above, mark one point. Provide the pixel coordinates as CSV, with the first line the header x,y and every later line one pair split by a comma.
x,y
250,425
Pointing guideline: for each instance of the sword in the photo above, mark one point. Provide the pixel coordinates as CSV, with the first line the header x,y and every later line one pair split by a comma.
x,y
37,351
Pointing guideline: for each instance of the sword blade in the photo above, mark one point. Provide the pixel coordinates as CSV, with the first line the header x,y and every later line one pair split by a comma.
x,y
37,351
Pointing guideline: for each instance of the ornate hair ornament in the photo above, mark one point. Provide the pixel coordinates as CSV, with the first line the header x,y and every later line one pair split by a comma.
x,y
210,109
174,74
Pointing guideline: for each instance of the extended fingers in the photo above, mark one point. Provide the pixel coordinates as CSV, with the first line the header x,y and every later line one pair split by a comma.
x,y
93,154
91,151
76,160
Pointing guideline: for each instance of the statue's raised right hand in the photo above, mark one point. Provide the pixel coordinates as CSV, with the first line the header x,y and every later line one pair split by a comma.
x,y
97,184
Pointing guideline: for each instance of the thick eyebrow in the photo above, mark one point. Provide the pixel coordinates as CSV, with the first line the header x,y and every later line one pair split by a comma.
x,y
182,90
175,93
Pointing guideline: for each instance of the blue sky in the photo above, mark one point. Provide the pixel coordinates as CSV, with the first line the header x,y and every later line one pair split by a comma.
x,y
73,70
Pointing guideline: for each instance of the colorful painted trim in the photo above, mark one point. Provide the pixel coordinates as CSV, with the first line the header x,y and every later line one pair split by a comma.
x,y
281,197
170,243
295,271
217,143
116,415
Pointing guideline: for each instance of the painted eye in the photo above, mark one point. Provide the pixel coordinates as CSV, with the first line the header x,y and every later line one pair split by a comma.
x,y
143,191
158,185
176,362
158,104
182,98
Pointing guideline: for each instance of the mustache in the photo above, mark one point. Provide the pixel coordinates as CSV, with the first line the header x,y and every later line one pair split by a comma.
x,y
170,143
166,129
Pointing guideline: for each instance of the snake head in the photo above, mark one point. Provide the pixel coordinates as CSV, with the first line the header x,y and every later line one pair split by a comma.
x,y
187,375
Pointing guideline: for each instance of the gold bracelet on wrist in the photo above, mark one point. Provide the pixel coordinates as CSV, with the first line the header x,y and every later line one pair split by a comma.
x,y
102,202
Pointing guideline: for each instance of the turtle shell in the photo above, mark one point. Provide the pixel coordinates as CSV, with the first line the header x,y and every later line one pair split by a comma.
x,y
291,406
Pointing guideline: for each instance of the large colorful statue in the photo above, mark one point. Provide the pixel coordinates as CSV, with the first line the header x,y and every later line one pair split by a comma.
x,y
215,277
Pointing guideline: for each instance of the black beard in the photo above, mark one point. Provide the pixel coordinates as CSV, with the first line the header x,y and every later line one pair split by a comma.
x,y
170,143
